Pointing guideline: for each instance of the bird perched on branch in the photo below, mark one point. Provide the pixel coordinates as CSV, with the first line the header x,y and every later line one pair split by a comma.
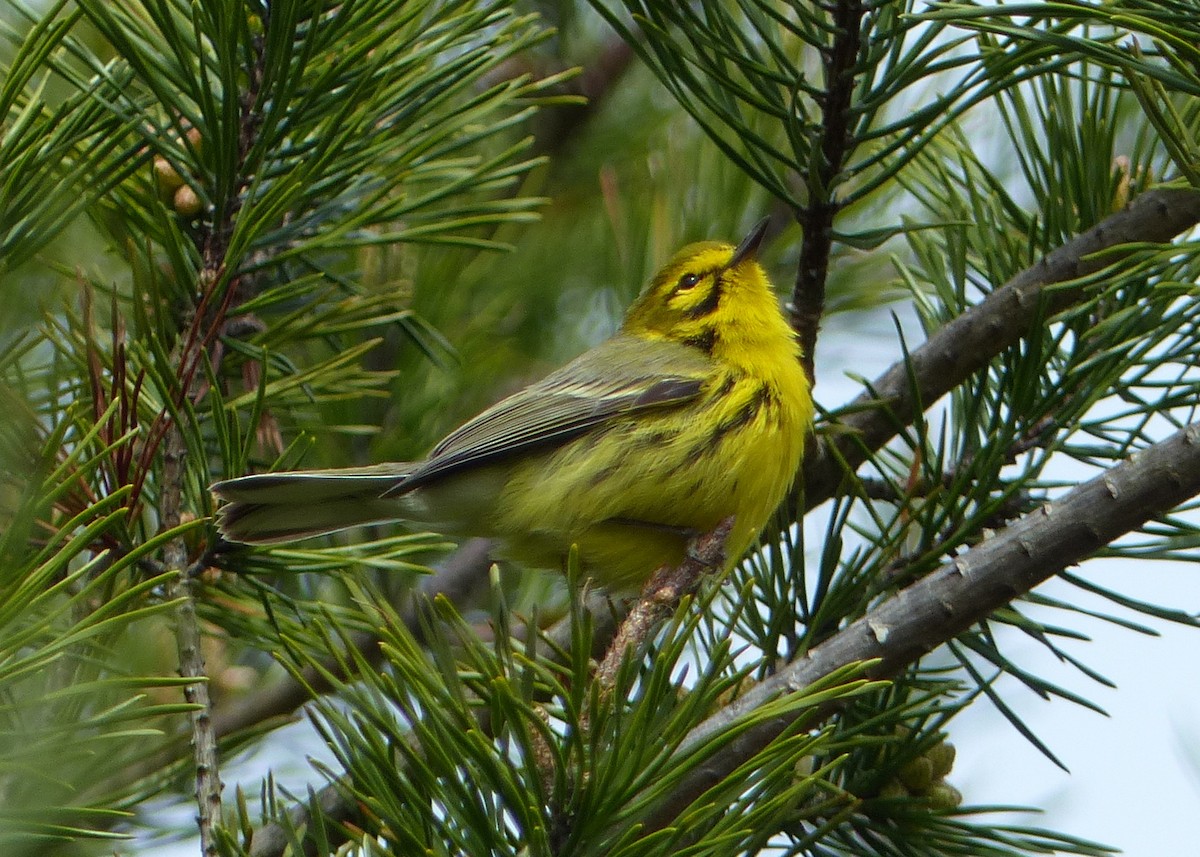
x,y
694,412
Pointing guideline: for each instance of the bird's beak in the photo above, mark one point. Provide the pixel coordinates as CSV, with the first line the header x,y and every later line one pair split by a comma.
x,y
748,249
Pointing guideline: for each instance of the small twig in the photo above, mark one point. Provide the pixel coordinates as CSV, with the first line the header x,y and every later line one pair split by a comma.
x,y
659,598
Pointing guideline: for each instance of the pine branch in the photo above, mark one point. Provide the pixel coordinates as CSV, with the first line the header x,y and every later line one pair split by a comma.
x,y
816,218
201,324
962,592
197,331
191,660
660,598
945,360
969,342
458,579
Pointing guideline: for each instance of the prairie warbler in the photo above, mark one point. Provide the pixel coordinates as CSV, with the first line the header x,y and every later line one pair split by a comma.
x,y
695,411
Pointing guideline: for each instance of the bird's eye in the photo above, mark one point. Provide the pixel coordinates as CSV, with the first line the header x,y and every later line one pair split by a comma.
x,y
687,281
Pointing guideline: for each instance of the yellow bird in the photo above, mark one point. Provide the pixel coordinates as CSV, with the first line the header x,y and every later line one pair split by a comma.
x,y
695,411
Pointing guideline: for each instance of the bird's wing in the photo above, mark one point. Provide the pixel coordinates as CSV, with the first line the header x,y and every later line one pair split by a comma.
x,y
616,378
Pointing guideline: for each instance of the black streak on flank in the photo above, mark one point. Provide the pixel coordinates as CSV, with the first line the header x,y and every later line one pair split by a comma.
x,y
726,387
605,473
744,415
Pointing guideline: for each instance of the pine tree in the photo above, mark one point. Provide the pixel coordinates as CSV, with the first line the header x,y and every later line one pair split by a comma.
x,y
239,236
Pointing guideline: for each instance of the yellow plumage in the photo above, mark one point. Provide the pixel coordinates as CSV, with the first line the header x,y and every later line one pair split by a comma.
x,y
695,411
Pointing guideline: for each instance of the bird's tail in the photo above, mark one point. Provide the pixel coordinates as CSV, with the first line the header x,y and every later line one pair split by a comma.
x,y
282,507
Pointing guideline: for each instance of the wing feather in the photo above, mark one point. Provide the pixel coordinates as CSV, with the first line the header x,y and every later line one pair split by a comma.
x,y
619,377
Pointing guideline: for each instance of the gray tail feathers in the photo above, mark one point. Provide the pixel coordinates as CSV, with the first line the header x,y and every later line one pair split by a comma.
x,y
282,507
